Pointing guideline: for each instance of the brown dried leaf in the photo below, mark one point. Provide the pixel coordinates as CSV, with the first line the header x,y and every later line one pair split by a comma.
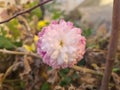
x,y
71,87
88,79
86,87
4,15
97,57
53,76
27,67
1,77
116,79
59,88
102,30
2,3
80,88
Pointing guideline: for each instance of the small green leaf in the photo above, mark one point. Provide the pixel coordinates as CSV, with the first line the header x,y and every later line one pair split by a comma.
x,y
13,27
2,31
87,32
81,62
57,14
63,72
22,84
18,44
45,86
36,12
75,76
115,69
65,81
6,43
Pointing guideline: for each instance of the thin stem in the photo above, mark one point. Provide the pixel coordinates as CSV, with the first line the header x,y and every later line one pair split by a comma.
x,y
113,45
19,53
42,10
26,11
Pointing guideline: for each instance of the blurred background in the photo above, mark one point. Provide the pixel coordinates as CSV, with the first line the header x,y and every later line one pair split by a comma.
x,y
27,72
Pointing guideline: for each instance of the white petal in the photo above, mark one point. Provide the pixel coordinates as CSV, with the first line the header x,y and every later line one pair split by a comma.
x,y
55,54
65,58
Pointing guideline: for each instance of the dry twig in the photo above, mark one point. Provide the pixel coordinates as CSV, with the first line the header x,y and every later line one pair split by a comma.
x,y
26,11
87,70
19,53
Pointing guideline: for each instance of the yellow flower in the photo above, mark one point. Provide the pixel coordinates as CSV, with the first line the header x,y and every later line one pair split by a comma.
x,y
42,24
35,38
30,48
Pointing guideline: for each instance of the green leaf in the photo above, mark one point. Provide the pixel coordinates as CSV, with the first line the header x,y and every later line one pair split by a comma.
x,y
36,12
75,76
65,81
63,72
13,27
18,44
81,62
115,69
87,32
2,31
45,86
6,43
57,14
22,84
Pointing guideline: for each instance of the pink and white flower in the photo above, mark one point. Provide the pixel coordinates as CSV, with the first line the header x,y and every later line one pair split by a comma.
x,y
61,44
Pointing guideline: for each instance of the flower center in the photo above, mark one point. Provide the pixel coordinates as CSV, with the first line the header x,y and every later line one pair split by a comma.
x,y
61,43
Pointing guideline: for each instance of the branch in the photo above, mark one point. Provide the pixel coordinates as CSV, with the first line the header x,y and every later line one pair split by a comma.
x,y
26,11
87,70
20,53
113,45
